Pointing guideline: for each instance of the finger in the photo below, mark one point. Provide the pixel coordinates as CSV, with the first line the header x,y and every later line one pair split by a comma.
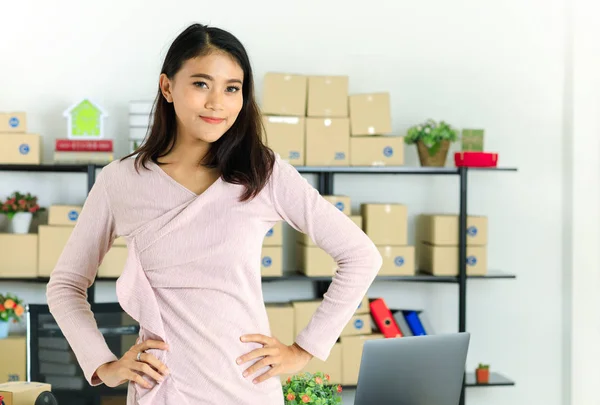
x,y
138,379
262,352
154,362
152,344
258,338
149,371
267,361
271,373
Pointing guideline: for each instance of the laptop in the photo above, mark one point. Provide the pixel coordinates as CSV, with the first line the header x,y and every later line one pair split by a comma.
x,y
413,370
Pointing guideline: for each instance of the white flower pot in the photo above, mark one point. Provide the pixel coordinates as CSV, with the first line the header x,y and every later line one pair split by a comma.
x,y
21,222
4,327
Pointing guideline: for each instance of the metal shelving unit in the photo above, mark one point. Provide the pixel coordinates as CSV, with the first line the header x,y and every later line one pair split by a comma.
x,y
325,185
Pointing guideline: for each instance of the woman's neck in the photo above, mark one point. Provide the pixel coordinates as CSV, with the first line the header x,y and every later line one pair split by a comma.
x,y
187,152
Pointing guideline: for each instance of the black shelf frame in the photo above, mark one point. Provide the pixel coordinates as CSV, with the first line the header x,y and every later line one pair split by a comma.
x,y
325,185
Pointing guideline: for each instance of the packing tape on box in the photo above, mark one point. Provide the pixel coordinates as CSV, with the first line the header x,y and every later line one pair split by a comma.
x,y
284,120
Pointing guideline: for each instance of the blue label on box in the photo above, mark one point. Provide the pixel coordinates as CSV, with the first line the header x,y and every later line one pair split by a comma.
x,y
13,122
24,149
266,261
472,231
471,260
73,215
388,151
340,205
340,156
399,261
358,324
270,233
294,154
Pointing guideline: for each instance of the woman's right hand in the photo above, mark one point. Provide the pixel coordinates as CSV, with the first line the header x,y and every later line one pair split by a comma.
x,y
128,368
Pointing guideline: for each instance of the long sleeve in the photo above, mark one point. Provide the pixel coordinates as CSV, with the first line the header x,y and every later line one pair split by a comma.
x,y
358,260
74,273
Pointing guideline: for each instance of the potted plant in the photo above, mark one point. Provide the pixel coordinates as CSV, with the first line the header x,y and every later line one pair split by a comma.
x,y
19,209
11,307
482,373
308,388
432,140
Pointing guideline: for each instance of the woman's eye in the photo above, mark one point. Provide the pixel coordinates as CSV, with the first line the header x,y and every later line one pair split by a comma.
x,y
200,84
233,89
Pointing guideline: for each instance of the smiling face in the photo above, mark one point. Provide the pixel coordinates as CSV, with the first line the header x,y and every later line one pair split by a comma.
x,y
207,96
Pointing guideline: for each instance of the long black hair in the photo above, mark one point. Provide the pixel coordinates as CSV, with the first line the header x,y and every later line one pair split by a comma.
x,y
240,155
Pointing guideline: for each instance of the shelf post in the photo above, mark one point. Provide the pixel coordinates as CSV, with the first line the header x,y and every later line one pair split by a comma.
x,y
462,263
91,179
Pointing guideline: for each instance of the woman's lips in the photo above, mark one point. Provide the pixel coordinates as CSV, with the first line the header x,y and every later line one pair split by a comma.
x,y
212,120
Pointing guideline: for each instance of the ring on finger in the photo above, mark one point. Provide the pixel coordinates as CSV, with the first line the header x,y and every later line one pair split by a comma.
x,y
139,355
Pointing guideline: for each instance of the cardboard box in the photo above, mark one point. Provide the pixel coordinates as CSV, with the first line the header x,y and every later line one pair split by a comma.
x,y
327,141
377,151
274,237
120,241
286,136
281,322
443,260
271,261
14,122
314,261
386,224
327,96
397,260
22,392
363,307
341,202
332,366
370,114
306,240
52,241
18,255
472,140
358,325
25,149
303,313
13,359
114,400
352,350
113,262
284,94
442,229
63,214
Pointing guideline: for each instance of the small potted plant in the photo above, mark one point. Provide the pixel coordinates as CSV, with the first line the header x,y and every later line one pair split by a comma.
x,y
482,373
433,141
11,307
19,209
308,388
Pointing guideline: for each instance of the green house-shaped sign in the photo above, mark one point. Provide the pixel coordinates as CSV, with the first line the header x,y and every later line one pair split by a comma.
x,y
85,120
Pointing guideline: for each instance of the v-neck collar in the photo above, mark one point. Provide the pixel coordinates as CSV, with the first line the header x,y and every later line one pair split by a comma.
x,y
181,186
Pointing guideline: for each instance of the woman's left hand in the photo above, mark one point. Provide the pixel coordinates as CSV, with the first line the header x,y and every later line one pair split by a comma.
x,y
283,359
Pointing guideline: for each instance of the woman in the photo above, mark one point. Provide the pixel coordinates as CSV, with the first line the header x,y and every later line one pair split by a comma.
x,y
194,206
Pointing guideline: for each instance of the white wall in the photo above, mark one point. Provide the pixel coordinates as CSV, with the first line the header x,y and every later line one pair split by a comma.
x,y
497,65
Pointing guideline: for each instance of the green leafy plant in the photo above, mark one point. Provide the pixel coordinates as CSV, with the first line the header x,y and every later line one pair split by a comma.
x,y
431,134
18,202
308,388
482,366
11,307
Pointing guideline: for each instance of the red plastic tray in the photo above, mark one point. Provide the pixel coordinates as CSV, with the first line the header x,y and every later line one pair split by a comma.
x,y
475,159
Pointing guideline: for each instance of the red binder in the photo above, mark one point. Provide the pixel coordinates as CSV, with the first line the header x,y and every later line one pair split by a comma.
x,y
384,319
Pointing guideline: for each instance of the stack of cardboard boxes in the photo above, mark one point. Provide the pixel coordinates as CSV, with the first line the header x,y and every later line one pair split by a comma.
x,y
438,244
313,121
271,262
386,226
16,145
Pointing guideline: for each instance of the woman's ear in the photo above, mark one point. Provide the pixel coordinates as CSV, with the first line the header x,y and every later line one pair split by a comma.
x,y
165,87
